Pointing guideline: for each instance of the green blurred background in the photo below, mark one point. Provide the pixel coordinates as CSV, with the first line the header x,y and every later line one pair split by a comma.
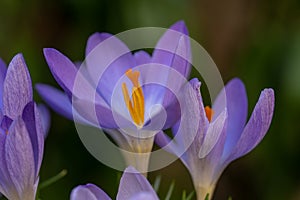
x,y
258,41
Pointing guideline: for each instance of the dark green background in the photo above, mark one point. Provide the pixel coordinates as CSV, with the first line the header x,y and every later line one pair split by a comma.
x,y
258,41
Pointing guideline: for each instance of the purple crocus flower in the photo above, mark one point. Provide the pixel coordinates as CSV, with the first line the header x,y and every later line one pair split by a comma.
x,y
21,133
133,186
124,99
222,134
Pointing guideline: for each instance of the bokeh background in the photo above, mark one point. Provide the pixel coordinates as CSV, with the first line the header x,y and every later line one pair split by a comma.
x,y
258,41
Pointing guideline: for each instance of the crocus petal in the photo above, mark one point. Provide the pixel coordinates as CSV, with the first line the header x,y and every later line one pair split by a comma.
x,y
173,42
132,183
165,142
211,163
6,122
46,118
17,87
235,97
94,40
6,184
2,77
142,57
143,196
56,99
36,131
59,102
115,60
212,135
19,158
96,114
173,49
63,70
194,121
88,192
66,74
257,126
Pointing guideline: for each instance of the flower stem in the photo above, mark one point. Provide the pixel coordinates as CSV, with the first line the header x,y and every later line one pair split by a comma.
x,y
53,179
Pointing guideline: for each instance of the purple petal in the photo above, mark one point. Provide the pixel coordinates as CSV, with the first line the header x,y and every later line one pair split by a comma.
x,y
213,166
46,118
6,122
96,114
142,57
3,70
94,40
6,186
237,107
60,103
17,87
63,70
108,62
133,183
56,99
194,121
19,157
36,131
67,75
88,192
172,47
257,126
143,196
213,134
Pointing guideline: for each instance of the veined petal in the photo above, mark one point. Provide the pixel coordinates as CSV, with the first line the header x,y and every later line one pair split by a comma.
x,y
142,57
6,185
96,114
94,40
235,97
67,75
212,135
257,126
107,62
59,102
17,87
56,99
193,119
3,70
173,49
143,196
63,70
133,183
36,131
88,192
19,157
172,44
46,118
211,164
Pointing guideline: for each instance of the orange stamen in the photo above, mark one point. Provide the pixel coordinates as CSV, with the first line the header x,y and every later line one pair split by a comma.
x,y
135,105
209,113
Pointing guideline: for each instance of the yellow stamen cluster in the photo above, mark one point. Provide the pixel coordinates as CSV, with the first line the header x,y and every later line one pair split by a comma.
x,y
135,104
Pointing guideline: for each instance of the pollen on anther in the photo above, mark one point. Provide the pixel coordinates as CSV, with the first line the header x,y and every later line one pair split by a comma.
x,y
209,113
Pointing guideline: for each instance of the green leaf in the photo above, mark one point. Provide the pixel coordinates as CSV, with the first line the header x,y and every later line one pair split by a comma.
x,y
157,183
207,196
53,179
190,196
170,191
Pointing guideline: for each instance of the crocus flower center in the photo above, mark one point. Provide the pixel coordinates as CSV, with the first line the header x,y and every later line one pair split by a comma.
x,y
135,104
209,113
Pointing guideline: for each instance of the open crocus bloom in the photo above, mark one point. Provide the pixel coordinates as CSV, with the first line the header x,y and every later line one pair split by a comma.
x,y
133,186
21,132
222,135
117,90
